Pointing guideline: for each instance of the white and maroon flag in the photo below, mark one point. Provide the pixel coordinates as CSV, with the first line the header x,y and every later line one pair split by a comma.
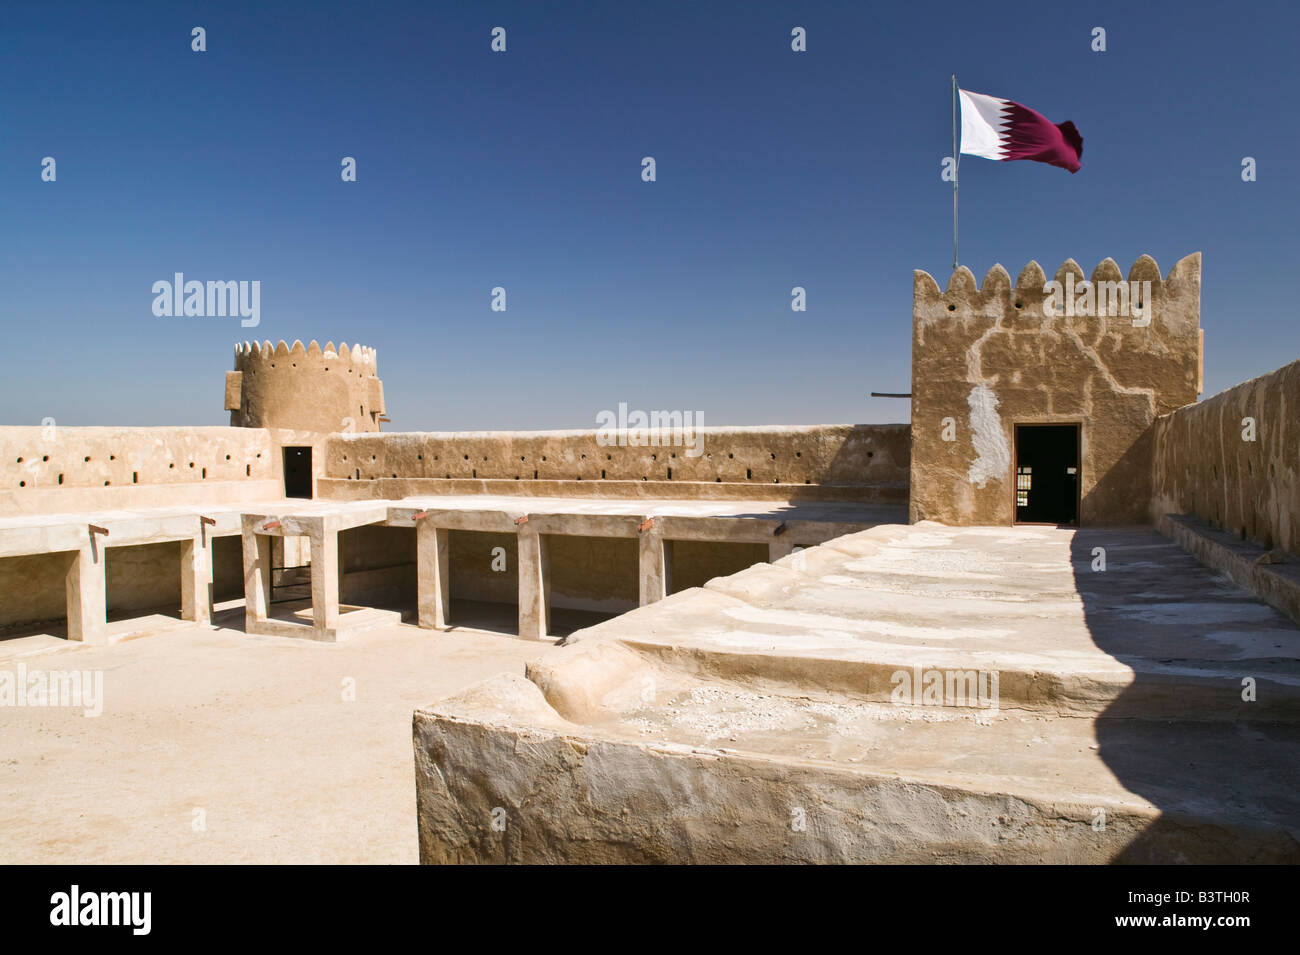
x,y
1000,129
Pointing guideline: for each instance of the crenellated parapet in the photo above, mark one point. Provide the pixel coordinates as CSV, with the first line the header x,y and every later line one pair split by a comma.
x,y
359,358
1107,297
307,388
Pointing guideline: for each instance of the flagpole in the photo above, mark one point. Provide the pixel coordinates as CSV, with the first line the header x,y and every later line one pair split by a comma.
x,y
956,164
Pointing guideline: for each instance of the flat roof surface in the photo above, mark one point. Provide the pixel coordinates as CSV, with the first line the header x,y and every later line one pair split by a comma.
x,y
28,534
1014,598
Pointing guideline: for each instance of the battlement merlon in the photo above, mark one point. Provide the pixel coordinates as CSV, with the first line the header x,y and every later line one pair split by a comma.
x,y
358,356
1176,297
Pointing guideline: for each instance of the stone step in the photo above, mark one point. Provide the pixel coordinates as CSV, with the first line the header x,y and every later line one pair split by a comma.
x,y
715,773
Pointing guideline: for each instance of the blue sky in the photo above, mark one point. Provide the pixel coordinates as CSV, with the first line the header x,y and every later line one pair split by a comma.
x,y
522,170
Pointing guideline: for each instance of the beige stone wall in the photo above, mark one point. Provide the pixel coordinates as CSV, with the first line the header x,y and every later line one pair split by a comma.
x,y
472,577
58,469
860,461
63,470
593,573
138,577
144,576
695,563
1205,467
32,588
989,359
305,388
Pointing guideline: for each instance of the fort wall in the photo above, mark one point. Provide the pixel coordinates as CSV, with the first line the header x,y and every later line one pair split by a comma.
x,y
1233,460
834,462
63,469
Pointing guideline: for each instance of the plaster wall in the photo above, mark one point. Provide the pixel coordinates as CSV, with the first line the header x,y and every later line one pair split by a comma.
x,y
144,576
695,563
1206,465
858,461
32,588
61,469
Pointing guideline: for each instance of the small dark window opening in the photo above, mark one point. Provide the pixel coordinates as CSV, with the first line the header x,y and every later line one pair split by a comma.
x,y
297,472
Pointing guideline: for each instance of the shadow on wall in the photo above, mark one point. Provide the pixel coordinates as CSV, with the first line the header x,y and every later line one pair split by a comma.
x,y
873,455
1180,735
1233,460
1123,493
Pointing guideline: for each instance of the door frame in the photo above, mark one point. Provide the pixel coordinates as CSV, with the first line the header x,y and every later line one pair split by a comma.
x,y
284,469
1078,470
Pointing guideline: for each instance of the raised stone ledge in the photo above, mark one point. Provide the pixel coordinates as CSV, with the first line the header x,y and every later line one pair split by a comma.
x,y
1277,584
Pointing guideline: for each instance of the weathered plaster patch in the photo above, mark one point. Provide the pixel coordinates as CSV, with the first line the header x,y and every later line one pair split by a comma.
x,y
992,455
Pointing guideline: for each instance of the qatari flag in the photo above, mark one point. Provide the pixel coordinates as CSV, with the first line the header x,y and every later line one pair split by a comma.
x,y
1000,129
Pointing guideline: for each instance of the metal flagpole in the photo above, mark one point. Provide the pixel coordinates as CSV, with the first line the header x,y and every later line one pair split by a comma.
x,y
956,165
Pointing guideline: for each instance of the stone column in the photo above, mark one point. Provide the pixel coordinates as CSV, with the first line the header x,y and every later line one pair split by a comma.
x,y
324,579
257,575
779,547
211,563
195,578
534,585
433,574
87,595
341,563
654,565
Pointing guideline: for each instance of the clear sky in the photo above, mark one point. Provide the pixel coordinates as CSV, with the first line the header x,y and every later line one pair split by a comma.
x,y
523,170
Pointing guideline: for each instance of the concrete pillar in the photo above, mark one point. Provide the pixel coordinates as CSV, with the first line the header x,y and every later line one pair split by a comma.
x,y
654,565
87,595
341,563
212,568
534,585
779,547
195,580
257,576
433,575
325,580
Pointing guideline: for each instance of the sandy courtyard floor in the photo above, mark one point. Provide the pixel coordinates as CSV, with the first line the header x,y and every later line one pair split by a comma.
x,y
216,747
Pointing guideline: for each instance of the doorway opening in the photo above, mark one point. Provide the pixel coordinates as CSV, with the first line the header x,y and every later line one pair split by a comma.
x,y
592,579
1047,474
484,586
142,587
297,471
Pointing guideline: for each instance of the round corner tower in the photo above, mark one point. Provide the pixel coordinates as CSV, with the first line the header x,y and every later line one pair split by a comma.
x,y
305,389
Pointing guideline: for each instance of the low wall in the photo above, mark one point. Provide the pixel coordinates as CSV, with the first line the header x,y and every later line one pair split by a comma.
x,y
1206,465
851,461
57,469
